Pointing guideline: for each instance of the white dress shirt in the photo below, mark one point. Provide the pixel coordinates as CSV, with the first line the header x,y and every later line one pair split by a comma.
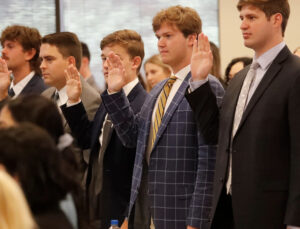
x,y
21,85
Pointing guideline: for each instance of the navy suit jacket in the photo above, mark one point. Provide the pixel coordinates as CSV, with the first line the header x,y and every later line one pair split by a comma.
x,y
118,160
265,149
181,168
35,86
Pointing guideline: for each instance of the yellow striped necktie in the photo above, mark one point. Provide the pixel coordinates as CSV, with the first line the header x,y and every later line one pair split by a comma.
x,y
162,100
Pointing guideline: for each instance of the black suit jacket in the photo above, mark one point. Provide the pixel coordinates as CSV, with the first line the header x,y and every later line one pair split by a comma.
x,y
117,163
35,86
265,149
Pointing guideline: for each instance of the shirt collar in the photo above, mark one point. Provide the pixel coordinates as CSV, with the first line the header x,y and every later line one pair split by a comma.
x,y
128,87
63,97
182,73
21,84
267,58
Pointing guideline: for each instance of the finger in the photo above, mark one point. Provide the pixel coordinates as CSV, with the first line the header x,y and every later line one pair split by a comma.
x,y
67,76
195,48
201,43
206,44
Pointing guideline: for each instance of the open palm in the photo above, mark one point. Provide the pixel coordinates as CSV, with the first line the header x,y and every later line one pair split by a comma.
x,y
4,78
116,73
202,58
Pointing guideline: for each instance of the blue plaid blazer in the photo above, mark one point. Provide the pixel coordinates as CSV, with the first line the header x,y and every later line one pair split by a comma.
x,y
181,168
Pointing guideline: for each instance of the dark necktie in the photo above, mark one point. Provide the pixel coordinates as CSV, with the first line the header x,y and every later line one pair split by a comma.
x,y
97,170
11,92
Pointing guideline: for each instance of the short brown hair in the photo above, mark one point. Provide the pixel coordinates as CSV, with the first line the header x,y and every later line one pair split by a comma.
x,y
270,7
128,39
29,38
67,44
186,19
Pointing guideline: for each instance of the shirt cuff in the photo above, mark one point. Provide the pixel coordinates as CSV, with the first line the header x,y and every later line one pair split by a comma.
x,y
195,84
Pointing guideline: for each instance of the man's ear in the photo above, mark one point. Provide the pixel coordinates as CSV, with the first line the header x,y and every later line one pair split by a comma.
x,y
277,19
71,60
191,39
29,54
136,62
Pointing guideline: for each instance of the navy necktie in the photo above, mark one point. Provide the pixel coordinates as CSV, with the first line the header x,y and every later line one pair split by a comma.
x,y
11,92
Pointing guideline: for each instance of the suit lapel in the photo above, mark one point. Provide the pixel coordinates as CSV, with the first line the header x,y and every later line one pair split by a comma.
x,y
172,108
265,83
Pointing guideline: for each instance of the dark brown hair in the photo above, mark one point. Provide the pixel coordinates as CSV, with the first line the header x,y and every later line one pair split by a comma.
x,y
29,38
67,44
270,7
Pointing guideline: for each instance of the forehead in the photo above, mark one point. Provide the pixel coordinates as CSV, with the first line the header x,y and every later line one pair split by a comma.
x,y
167,28
250,9
116,48
49,50
12,42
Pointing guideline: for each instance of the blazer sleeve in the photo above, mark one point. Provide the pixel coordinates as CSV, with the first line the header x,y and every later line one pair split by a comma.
x,y
79,123
205,104
204,101
124,120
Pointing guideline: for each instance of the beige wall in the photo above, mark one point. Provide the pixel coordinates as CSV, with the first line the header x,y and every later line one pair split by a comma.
x,y
231,42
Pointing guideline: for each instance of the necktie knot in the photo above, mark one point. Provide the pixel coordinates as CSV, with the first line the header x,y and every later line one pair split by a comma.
x,y
11,92
254,66
55,96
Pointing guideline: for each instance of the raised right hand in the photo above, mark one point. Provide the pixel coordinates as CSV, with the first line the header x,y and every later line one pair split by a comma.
x,y
4,79
116,79
73,84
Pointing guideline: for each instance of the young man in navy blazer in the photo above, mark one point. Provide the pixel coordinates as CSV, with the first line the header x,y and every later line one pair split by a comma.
x,y
20,56
110,163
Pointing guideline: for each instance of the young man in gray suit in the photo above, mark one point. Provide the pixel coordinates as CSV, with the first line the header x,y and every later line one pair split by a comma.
x,y
172,155
58,51
257,169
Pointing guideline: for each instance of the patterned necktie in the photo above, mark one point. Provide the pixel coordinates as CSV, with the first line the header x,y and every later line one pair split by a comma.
x,y
11,92
243,98
162,100
239,110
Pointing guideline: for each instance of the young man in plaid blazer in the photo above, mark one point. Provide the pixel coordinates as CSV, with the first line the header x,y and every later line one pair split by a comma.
x,y
172,155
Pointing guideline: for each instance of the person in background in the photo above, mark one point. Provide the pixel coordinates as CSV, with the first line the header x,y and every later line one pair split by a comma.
x,y
156,71
43,112
236,65
28,153
14,210
297,51
20,56
216,68
85,69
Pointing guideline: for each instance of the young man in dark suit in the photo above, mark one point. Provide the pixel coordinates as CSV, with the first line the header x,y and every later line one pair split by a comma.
x,y
171,153
111,164
20,52
257,169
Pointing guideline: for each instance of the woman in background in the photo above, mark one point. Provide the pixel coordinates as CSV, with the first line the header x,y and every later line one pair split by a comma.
x,y
156,71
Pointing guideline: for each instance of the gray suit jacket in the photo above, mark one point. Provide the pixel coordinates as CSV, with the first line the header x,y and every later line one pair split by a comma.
x,y
89,97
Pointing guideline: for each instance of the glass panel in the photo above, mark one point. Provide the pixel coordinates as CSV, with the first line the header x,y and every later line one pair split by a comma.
x,y
93,19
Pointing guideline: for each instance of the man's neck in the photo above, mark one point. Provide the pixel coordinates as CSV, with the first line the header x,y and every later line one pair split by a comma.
x,y
268,46
20,73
